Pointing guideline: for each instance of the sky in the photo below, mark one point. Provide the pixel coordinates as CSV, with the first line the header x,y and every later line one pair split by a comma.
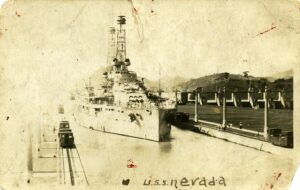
x,y
48,46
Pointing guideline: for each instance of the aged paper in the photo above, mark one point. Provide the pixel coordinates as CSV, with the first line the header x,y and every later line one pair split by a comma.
x,y
52,51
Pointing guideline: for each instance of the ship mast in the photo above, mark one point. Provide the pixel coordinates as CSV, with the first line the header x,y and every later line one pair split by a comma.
x,y
111,46
120,60
121,40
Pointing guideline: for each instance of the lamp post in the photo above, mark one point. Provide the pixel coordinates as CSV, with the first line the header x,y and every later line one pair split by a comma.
x,y
176,99
196,106
266,113
224,108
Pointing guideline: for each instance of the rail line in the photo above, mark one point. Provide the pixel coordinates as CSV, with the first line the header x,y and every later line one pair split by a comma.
x,y
87,182
70,167
64,173
73,160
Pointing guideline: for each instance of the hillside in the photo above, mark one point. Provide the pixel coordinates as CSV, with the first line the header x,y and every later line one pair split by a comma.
x,y
235,82
208,83
282,75
166,83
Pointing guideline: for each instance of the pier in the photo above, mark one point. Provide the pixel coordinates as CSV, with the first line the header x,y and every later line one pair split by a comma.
x,y
255,128
249,98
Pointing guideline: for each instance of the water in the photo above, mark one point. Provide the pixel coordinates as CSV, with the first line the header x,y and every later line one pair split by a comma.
x,y
187,154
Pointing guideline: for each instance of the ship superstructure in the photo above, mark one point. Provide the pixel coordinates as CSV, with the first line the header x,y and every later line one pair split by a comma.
x,y
123,105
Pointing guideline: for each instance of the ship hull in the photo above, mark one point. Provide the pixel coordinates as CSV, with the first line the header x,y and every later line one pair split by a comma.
x,y
150,124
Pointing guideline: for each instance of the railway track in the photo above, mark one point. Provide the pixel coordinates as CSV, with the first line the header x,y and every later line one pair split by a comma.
x,y
71,170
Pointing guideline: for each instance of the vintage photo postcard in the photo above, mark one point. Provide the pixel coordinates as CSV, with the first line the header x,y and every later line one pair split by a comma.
x,y
149,94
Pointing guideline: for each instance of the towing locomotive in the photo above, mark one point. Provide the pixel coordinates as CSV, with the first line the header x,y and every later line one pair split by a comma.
x,y
65,135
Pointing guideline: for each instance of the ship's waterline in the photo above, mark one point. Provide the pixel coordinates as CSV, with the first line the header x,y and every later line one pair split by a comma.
x,y
141,123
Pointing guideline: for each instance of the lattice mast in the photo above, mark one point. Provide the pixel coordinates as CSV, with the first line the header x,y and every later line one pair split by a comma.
x,y
121,40
111,46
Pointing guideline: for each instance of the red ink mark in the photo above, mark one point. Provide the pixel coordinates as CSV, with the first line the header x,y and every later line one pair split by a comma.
x,y
278,176
130,164
18,15
268,30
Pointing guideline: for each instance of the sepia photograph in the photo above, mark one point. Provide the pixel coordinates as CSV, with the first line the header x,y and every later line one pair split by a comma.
x,y
149,94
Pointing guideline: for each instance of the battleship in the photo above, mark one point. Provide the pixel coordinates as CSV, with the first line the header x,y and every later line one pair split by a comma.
x,y
123,105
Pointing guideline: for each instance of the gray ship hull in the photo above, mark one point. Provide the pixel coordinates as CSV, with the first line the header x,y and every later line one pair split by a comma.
x,y
141,123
